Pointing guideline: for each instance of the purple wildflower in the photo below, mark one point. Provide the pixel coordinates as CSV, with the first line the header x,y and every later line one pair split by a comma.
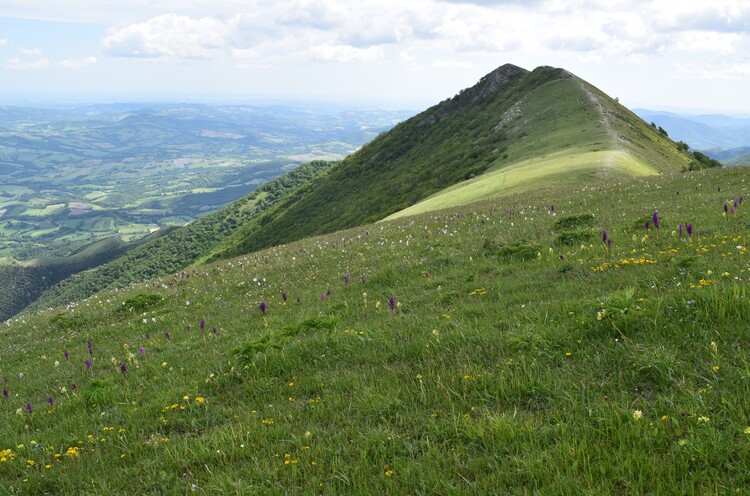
x,y
735,203
679,229
90,347
655,219
262,307
142,350
392,303
202,324
166,335
88,364
73,386
346,279
648,224
66,354
28,407
732,211
298,300
322,297
123,369
609,243
726,208
5,393
283,296
604,236
552,209
689,229
50,401
213,330
328,293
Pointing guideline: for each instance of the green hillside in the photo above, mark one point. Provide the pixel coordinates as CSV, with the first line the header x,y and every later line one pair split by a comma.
x,y
171,252
548,120
24,282
544,343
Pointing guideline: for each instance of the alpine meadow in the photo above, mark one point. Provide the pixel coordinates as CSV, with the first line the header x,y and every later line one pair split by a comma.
x,y
524,289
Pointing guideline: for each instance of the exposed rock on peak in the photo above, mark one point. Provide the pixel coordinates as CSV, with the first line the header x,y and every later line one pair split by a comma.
x,y
490,86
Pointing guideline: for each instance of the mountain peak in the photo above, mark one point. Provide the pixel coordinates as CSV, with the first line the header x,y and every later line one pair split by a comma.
x,y
490,86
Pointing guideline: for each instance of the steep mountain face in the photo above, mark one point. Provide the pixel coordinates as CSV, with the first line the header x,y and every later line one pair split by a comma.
x,y
509,116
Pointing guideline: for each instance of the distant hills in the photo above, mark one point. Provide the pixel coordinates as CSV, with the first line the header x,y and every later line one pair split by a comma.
x,y
721,137
73,175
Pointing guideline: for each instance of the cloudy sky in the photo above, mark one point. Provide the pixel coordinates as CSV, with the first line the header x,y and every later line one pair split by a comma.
x,y
690,55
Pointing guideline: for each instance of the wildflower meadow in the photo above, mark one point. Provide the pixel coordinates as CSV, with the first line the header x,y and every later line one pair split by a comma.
x,y
576,340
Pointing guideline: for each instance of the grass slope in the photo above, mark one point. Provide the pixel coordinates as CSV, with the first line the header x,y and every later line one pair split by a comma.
x,y
552,170
23,283
498,347
180,247
512,116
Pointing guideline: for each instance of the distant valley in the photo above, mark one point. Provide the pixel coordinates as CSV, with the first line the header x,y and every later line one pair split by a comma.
x,y
70,176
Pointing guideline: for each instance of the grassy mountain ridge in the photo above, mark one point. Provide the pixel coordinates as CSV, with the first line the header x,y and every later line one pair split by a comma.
x,y
498,347
180,247
431,151
510,116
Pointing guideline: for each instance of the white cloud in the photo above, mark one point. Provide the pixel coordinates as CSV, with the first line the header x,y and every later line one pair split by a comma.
x,y
408,60
343,53
451,64
16,64
323,15
30,51
714,71
77,64
588,29
3,42
169,36
717,15
708,42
